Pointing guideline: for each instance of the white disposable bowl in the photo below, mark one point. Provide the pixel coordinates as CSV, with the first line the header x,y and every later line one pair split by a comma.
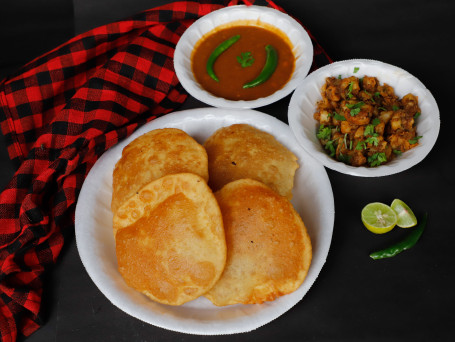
x,y
303,105
301,42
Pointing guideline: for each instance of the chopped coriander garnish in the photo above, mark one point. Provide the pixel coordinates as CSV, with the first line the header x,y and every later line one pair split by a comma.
x,y
372,140
356,69
354,111
245,59
344,158
339,77
329,146
376,121
355,105
415,140
416,115
351,85
339,117
395,108
324,132
377,94
384,109
397,152
361,145
369,130
377,159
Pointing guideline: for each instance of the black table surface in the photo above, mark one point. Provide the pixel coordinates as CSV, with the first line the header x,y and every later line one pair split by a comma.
x,y
406,298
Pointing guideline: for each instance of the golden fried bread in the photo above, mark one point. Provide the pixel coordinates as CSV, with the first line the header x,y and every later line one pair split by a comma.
x,y
268,248
242,151
170,241
153,155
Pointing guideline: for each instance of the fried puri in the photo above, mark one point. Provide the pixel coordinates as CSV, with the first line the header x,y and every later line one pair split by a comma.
x,y
170,241
153,155
268,248
241,151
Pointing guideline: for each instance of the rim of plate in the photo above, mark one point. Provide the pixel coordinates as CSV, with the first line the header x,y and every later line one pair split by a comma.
x,y
304,127
301,41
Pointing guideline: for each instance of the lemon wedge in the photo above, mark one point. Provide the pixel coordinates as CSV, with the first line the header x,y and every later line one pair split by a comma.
x,y
406,218
379,218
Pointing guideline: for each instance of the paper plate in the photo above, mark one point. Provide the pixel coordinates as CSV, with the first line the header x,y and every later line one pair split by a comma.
x,y
303,105
313,199
301,42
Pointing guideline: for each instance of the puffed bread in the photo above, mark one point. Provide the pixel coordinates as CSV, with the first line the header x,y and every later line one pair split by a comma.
x,y
155,154
268,248
242,151
170,241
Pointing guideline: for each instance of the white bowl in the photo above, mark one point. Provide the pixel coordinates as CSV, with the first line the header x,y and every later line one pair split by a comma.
x,y
302,49
303,105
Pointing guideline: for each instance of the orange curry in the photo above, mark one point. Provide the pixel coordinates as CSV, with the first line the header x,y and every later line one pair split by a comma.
x,y
243,61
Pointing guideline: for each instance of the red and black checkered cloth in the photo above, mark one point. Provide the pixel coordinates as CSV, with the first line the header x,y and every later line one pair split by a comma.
x,y
59,113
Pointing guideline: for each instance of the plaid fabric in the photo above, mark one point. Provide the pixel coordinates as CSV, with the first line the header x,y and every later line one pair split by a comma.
x,y
60,112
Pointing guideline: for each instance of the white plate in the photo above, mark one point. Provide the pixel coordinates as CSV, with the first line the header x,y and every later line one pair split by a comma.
x,y
303,105
299,38
313,199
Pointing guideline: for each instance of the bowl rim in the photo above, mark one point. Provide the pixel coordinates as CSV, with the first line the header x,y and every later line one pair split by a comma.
x,y
396,166
195,90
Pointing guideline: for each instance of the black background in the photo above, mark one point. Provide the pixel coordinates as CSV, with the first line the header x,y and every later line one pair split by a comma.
x,y
406,298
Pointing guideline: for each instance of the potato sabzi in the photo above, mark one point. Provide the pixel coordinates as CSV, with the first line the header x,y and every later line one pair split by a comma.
x,y
364,123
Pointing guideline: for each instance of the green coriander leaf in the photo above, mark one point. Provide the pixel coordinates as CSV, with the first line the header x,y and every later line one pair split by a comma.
x,y
415,140
351,85
354,111
339,117
329,146
375,122
245,59
355,105
344,158
395,108
361,145
382,108
372,140
416,115
377,159
397,152
369,130
356,69
377,94
339,77
324,132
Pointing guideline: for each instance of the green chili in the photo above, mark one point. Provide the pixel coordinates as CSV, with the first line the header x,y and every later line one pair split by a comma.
x,y
217,52
269,68
403,245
